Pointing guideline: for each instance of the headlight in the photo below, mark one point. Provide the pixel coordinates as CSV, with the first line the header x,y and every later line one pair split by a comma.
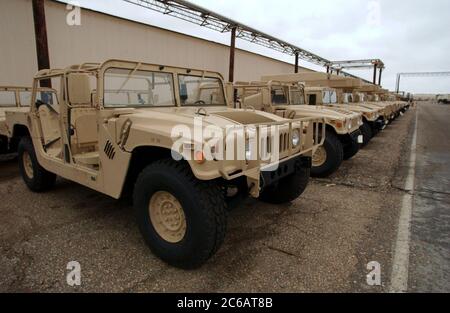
x,y
295,138
350,124
248,151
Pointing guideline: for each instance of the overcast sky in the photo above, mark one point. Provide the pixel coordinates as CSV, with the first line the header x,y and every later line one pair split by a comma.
x,y
408,35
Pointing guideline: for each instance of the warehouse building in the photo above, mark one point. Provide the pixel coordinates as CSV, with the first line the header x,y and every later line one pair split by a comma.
x,y
101,36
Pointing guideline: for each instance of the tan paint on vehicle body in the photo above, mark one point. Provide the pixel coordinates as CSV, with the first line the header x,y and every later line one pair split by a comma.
x,y
318,83
117,132
258,95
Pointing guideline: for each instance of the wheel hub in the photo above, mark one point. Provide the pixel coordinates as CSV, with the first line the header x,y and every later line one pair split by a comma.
x,y
167,217
320,156
27,165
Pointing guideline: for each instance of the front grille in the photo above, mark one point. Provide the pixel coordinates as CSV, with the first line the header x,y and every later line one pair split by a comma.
x,y
267,142
109,150
284,142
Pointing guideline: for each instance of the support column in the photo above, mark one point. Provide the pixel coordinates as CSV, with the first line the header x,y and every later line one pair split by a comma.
x,y
232,54
296,62
375,74
379,77
40,30
397,85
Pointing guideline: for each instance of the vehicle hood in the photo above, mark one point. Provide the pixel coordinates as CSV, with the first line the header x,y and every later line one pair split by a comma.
x,y
319,111
218,116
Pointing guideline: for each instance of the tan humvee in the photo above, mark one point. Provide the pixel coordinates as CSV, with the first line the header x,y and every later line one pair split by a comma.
x,y
403,103
11,97
329,97
377,96
125,125
336,91
288,100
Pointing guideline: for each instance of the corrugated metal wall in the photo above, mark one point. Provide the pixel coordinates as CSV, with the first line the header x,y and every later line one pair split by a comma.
x,y
101,37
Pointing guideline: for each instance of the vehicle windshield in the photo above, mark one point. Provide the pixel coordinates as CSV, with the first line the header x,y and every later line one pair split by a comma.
x,y
348,98
279,95
136,88
297,97
7,99
201,91
25,98
329,97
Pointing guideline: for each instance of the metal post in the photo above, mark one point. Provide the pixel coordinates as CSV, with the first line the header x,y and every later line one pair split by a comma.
x,y
232,54
375,74
379,77
397,85
40,30
296,62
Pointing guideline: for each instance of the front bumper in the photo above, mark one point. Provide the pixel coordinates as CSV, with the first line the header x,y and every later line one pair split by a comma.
x,y
271,175
357,136
379,124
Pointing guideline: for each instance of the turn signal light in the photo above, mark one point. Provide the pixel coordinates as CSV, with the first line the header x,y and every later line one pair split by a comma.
x,y
199,157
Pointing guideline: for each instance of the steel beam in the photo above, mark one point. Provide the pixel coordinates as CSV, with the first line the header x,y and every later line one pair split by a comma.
x,y
379,76
375,74
40,30
418,74
232,55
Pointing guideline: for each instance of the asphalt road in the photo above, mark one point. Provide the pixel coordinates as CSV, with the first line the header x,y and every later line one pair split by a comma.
x,y
321,242
430,229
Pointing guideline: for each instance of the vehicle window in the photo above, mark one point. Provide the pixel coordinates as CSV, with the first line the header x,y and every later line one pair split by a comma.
x,y
329,97
312,99
48,97
326,97
201,91
333,97
129,88
25,98
348,98
279,95
297,97
7,99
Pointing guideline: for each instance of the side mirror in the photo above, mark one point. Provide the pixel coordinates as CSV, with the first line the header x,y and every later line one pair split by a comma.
x,y
183,92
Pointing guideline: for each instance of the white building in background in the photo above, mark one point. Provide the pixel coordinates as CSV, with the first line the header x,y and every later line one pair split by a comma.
x,y
101,36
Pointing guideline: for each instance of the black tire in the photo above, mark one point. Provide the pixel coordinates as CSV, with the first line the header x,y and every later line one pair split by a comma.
x,y
3,145
374,129
204,207
351,149
367,133
335,156
41,180
287,189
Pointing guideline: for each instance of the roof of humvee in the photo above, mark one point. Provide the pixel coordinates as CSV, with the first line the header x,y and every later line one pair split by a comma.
x,y
317,79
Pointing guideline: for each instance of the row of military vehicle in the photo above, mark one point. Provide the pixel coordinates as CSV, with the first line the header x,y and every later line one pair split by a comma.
x,y
131,128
